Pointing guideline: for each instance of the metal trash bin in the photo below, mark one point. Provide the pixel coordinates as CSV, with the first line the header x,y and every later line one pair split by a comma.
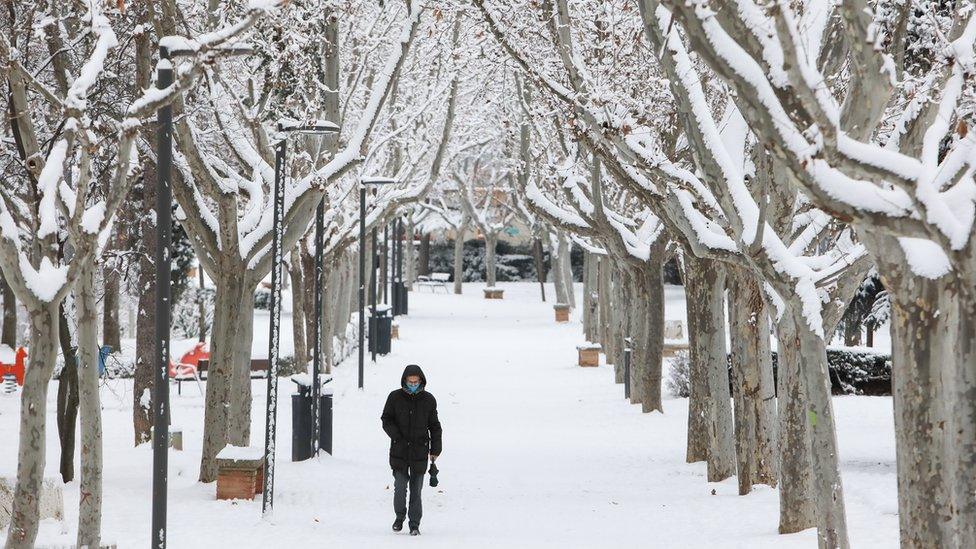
x,y
380,330
302,420
325,419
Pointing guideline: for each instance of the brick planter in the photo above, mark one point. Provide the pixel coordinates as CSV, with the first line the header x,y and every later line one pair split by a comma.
x,y
494,293
240,473
589,354
562,312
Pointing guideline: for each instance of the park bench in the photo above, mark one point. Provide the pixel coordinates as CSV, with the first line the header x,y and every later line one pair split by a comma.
x,y
240,472
434,281
259,369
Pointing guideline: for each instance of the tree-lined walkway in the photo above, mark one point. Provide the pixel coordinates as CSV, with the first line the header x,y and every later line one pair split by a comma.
x,y
541,453
537,453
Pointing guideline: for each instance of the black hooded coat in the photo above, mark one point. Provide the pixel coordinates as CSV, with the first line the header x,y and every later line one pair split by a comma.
x,y
411,422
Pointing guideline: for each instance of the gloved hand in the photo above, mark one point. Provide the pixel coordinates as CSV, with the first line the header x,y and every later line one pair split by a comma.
x,y
433,475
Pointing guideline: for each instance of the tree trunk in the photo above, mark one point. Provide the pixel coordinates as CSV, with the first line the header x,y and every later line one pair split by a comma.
x,y
346,298
227,313
852,332
636,329
423,268
298,306
603,308
31,456
753,390
90,489
962,416
829,491
618,321
145,318
697,448
308,298
706,285
557,271
649,336
239,422
591,297
67,411
8,336
491,242
327,327
202,306
111,332
796,505
922,345
540,268
409,255
459,257
565,254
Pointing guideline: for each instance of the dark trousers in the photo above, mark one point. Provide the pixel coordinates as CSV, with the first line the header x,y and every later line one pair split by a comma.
x,y
416,480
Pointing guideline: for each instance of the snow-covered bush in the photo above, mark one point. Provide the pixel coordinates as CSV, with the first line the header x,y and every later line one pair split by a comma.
x,y
855,371
679,375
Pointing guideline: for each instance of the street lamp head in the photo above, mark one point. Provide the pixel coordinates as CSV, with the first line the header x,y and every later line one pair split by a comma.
x,y
309,127
376,180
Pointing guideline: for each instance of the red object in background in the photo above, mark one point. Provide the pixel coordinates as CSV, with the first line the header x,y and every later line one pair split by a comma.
x,y
195,355
17,368
189,361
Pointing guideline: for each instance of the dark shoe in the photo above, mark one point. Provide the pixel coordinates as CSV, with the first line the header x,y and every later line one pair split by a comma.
x,y
398,525
414,531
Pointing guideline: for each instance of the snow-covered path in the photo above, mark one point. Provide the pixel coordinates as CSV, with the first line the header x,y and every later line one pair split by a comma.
x,y
537,453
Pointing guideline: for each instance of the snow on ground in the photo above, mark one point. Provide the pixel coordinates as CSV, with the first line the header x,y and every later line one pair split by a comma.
x,y
537,453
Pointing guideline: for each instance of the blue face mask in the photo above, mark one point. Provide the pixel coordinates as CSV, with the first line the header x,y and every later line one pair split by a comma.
x,y
412,388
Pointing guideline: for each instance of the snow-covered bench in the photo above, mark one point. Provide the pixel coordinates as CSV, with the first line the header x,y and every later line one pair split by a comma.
x,y
434,281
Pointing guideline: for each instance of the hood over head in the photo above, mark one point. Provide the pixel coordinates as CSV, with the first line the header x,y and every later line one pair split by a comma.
x,y
413,370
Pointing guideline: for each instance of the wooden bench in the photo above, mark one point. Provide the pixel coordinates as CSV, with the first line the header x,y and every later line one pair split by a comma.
x,y
259,367
434,281
240,472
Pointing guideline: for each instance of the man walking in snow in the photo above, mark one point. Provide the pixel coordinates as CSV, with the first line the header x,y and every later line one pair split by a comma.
x,y
410,419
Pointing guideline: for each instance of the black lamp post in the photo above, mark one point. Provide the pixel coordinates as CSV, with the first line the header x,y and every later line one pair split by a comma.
x,y
364,182
316,127
165,76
